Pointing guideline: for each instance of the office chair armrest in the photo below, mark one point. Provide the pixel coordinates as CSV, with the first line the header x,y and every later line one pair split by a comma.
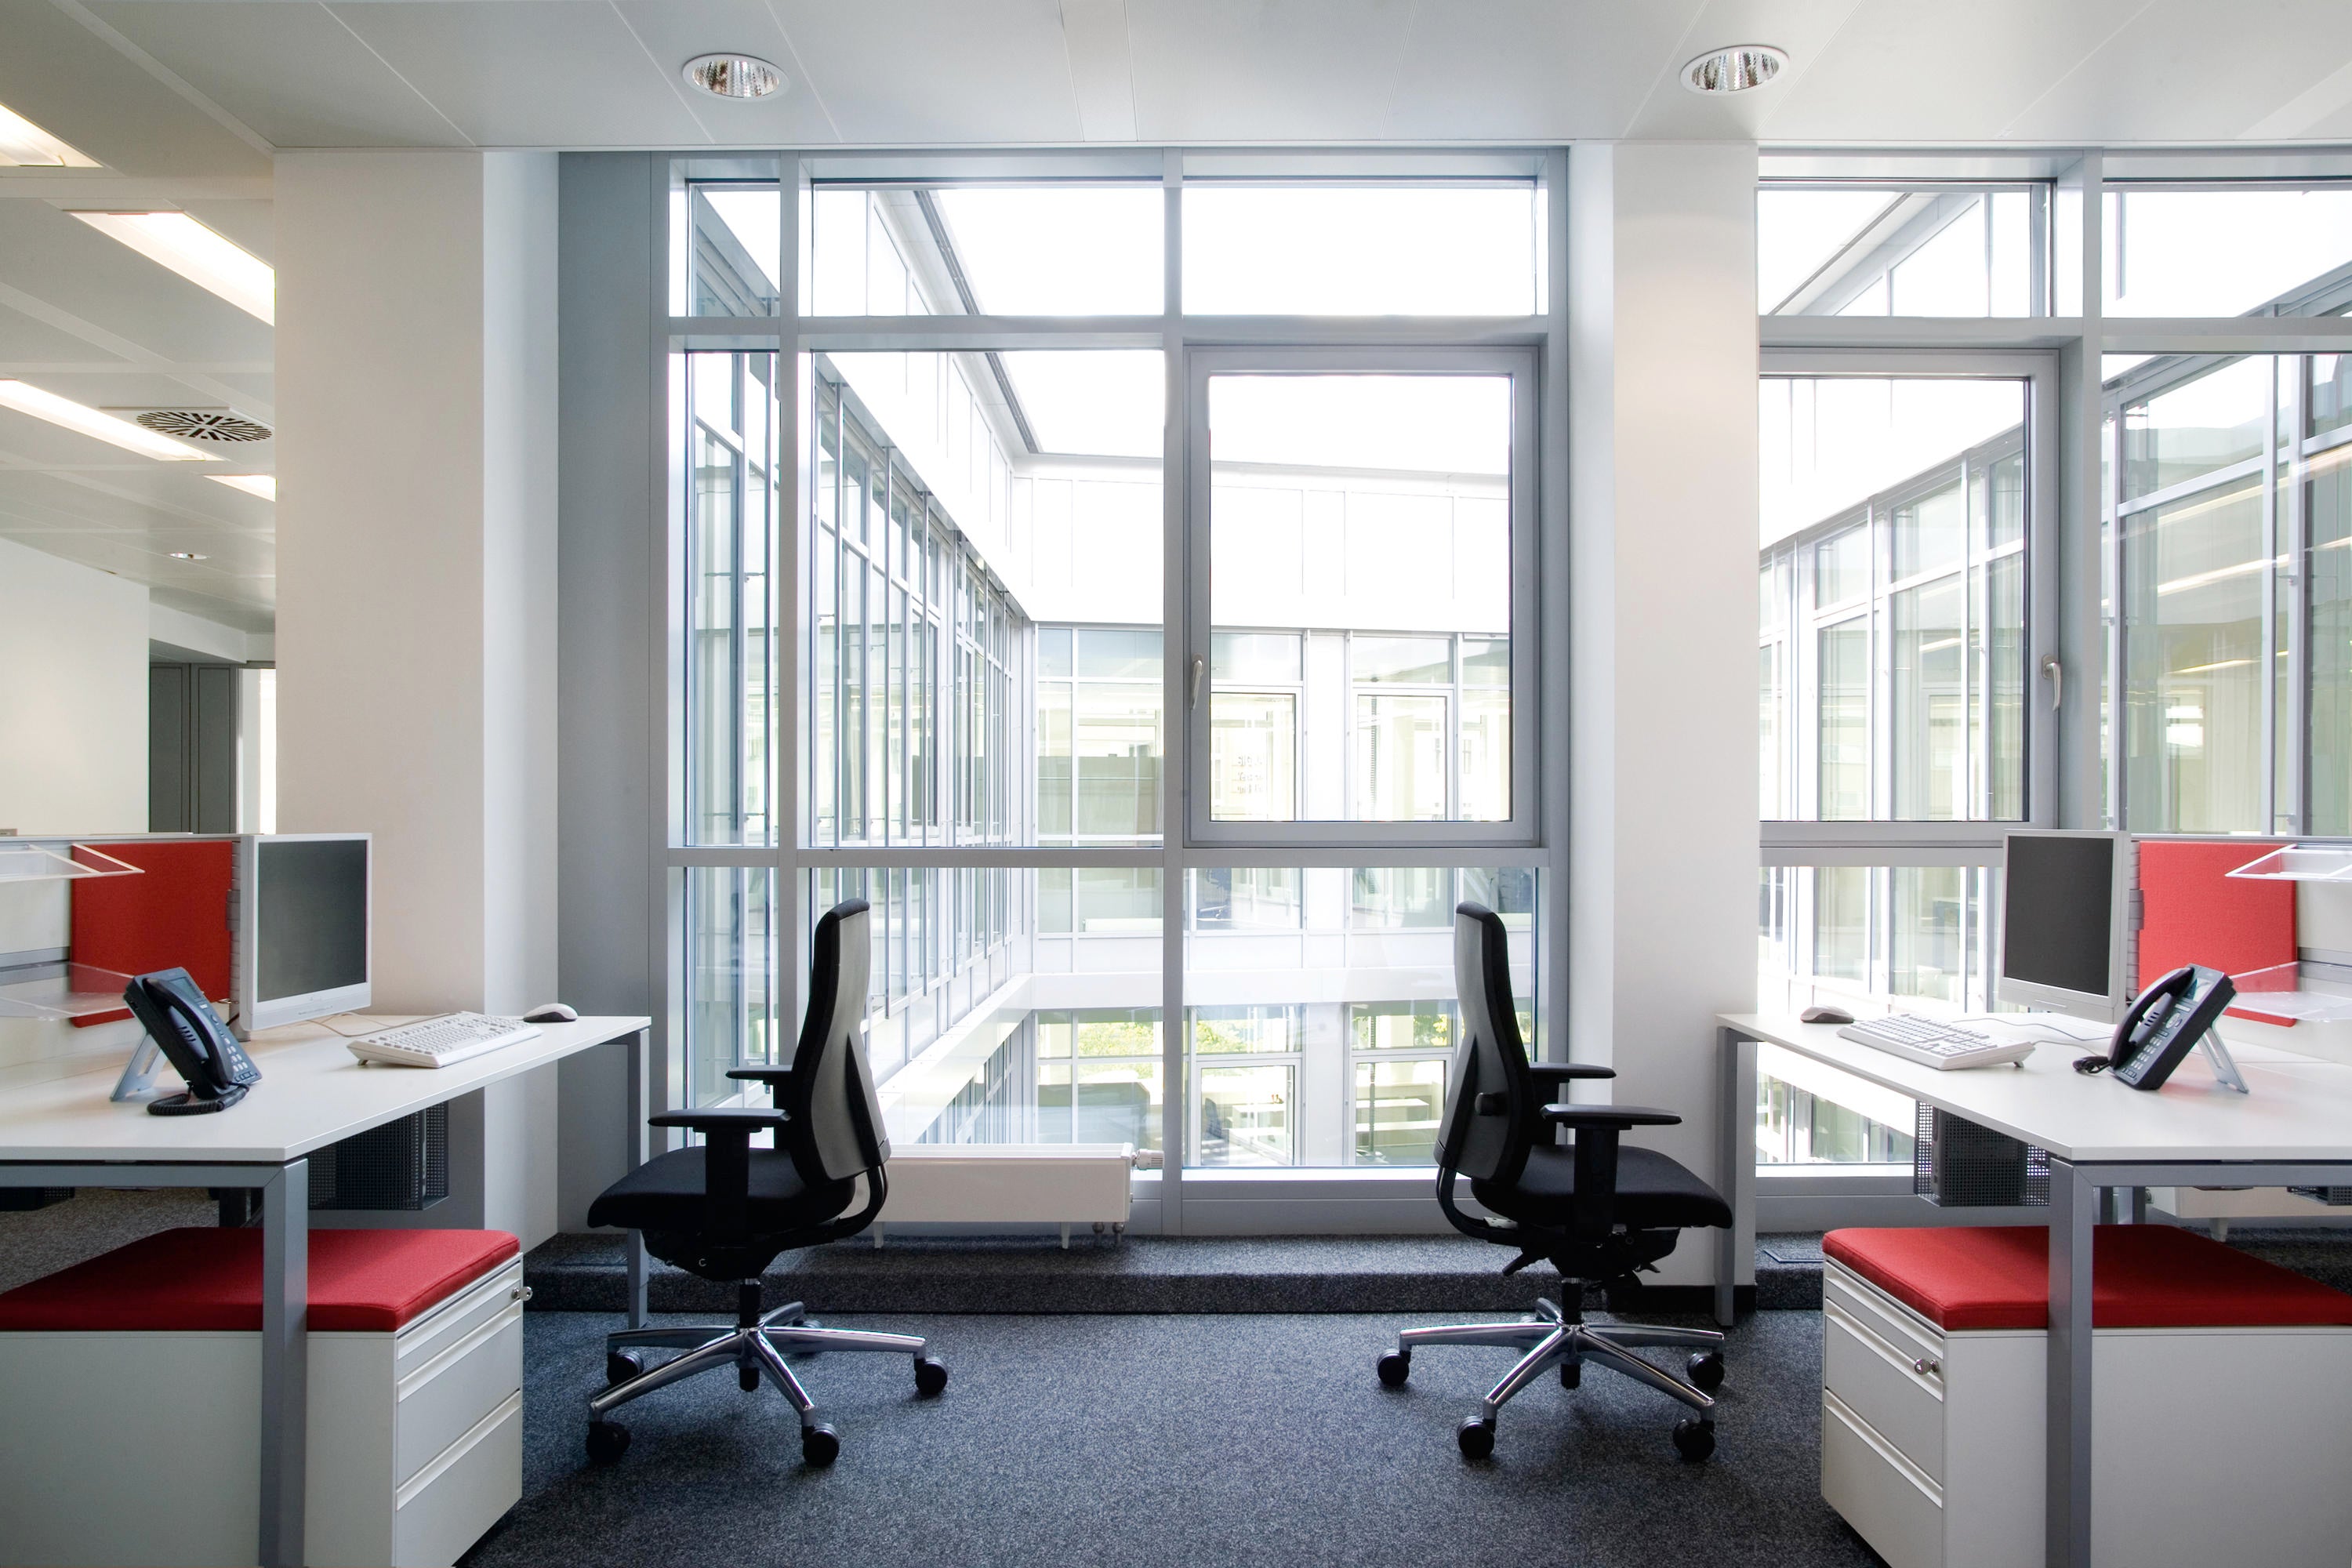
x,y
774,1077
1594,1210
1548,1074
718,1121
1614,1118
726,1159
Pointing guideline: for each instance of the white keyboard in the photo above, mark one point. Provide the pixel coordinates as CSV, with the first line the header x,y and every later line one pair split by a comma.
x,y
438,1042
1932,1043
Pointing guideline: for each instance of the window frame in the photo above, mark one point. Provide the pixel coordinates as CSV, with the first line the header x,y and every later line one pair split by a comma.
x,y
1195,659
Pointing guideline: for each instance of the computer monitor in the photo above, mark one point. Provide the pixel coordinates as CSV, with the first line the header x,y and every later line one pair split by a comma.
x,y
301,940
2067,922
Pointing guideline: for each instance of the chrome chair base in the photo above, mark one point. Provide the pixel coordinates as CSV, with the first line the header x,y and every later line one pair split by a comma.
x,y
1549,1340
755,1350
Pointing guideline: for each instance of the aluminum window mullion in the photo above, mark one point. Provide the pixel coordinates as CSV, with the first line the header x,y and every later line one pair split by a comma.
x,y
2293,544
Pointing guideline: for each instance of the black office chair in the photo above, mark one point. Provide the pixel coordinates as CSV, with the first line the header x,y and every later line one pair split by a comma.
x,y
1598,1212
723,1211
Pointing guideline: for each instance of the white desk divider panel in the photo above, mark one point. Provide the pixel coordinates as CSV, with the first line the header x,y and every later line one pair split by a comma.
x,y
1008,1184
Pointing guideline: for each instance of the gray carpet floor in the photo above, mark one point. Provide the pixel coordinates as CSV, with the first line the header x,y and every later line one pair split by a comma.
x,y
1106,1439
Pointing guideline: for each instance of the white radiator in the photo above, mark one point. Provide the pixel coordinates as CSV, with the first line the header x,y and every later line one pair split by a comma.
x,y
1008,1184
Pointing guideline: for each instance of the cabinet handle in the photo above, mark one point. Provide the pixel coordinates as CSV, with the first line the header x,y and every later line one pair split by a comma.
x,y
1925,1367
519,1293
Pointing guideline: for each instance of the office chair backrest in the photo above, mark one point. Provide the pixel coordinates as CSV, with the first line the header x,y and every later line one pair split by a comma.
x,y
1489,1096
834,1126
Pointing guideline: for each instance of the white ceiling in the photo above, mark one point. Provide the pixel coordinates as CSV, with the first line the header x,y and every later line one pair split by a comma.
x,y
184,100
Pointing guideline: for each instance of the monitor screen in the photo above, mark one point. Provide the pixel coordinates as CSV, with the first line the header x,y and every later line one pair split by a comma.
x,y
311,920
2057,911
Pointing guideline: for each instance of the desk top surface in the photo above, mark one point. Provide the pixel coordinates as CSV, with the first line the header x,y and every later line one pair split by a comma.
x,y
2297,1107
312,1092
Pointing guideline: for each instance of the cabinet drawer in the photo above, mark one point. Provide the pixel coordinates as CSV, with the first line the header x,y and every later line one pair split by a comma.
x,y
1902,1397
1890,1505
444,1510
443,1399
1909,1335
457,1318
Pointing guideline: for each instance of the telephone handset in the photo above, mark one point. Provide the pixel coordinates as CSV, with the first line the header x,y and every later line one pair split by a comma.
x,y
181,1020
2164,1024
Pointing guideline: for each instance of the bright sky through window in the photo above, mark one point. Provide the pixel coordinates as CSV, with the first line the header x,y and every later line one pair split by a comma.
x,y
750,213
1798,230
1361,250
1078,250
1419,424
2221,253
1106,404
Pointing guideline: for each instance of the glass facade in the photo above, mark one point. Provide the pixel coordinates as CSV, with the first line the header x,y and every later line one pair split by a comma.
x,y
924,652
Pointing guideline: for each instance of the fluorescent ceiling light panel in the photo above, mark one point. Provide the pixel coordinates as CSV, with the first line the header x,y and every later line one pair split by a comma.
x,y
198,254
28,399
24,144
262,485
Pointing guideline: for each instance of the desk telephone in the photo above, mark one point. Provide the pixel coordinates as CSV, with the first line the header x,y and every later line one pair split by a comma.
x,y
181,1020
2169,1020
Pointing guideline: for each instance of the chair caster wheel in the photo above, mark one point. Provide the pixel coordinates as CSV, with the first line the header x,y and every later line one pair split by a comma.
x,y
608,1441
930,1375
622,1365
820,1446
1476,1438
747,1378
1395,1367
1694,1440
1706,1370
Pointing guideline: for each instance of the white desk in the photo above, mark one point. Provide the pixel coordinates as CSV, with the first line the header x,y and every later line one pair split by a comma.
x,y
2294,1129
66,1132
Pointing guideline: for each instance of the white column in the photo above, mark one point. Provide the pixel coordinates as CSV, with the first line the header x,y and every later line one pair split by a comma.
x,y
1663,542
416,575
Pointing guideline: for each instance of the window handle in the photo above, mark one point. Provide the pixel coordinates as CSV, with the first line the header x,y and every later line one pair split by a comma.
x,y
2057,674
1198,666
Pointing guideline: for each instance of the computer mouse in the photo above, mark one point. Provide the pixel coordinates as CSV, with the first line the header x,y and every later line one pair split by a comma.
x,y
550,1013
1826,1015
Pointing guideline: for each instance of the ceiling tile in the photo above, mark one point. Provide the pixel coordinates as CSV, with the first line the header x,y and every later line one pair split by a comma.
x,y
1241,70
529,73
75,85
293,72
937,70
65,263
1529,67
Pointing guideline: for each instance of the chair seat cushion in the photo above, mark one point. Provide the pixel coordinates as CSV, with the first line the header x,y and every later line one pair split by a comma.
x,y
1654,1192
665,1193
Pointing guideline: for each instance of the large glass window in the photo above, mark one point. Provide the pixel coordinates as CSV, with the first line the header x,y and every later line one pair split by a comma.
x,y
921,590
1851,249
2207,250
1893,649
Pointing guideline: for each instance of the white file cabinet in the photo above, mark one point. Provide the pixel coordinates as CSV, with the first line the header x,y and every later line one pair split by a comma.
x,y
2209,1444
145,1447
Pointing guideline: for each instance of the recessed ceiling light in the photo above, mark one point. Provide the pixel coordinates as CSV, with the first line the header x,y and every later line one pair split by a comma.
x,y
734,75
24,144
25,398
262,485
197,253
1735,69
188,555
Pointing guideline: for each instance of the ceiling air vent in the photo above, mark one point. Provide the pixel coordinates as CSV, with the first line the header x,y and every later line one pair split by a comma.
x,y
204,425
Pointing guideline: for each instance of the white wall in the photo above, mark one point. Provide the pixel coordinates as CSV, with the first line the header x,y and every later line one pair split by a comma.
x,y
416,613
73,697
1662,847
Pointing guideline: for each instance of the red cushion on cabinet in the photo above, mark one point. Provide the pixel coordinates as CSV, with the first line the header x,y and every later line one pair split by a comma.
x,y
369,1282
2142,1276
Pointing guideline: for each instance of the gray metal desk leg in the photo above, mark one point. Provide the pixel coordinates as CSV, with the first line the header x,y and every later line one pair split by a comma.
x,y
634,1248
2074,1199
1736,1141
285,1361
